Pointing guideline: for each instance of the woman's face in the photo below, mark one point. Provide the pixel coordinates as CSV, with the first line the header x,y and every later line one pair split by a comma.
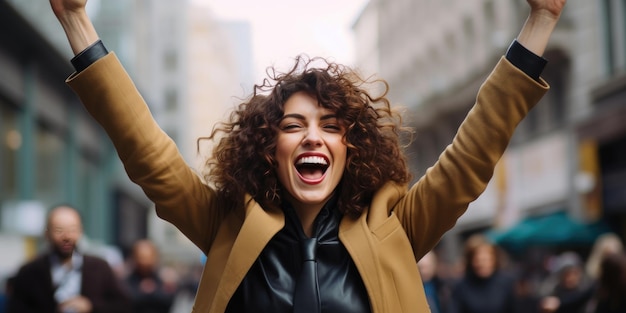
x,y
310,151
484,261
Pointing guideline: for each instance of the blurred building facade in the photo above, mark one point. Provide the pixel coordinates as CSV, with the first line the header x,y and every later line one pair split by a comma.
x,y
218,74
568,155
53,152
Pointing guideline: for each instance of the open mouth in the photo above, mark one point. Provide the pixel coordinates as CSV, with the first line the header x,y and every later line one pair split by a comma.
x,y
312,168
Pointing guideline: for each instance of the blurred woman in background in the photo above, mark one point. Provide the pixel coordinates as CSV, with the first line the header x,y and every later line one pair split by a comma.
x,y
484,288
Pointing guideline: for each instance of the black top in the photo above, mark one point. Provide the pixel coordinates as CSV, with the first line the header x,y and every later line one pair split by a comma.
x,y
270,283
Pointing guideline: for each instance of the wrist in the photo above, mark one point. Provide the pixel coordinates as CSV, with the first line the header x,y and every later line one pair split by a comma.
x,y
537,30
79,30
543,18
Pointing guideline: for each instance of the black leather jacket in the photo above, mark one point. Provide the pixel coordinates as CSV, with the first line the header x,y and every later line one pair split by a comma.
x,y
270,283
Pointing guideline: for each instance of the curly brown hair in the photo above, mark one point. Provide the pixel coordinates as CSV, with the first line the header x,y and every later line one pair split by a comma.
x,y
243,161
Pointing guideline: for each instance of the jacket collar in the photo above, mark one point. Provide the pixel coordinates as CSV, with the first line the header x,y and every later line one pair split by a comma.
x,y
357,236
258,228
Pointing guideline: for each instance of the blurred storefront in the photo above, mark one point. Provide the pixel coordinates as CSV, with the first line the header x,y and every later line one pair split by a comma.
x,y
605,134
601,132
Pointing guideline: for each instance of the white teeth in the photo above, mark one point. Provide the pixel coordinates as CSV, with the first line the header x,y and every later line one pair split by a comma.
x,y
312,160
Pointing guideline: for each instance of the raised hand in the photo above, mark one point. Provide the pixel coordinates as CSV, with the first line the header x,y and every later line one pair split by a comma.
x,y
63,7
544,15
552,7
73,17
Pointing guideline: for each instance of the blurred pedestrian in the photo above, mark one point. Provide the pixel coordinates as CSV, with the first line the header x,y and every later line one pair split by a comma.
x,y
188,285
436,289
572,290
64,280
605,244
305,204
610,296
485,287
149,291
8,285
526,298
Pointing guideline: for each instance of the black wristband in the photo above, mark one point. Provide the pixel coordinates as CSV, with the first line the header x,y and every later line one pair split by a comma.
x,y
525,60
88,56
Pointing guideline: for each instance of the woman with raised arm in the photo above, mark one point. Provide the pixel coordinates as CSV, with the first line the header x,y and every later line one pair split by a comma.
x,y
307,206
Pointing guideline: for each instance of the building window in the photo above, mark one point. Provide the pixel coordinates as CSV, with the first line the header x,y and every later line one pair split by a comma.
x,y
556,75
49,172
171,101
612,157
551,112
422,152
86,175
11,142
622,20
609,42
490,23
470,38
170,61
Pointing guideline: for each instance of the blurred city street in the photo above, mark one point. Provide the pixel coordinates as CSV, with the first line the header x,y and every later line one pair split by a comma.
x,y
557,196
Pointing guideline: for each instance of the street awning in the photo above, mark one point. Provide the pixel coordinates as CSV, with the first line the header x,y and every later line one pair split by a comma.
x,y
556,229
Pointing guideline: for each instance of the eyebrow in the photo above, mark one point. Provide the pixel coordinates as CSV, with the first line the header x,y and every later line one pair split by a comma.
x,y
301,117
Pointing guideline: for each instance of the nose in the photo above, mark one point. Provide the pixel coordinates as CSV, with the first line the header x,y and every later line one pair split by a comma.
x,y
312,137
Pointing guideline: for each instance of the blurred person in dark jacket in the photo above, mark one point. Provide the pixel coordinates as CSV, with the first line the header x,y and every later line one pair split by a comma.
x,y
437,290
484,288
526,298
610,296
150,291
64,279
605,244
572,291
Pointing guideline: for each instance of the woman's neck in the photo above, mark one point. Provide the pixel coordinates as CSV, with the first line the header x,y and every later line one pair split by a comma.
x,y
307,213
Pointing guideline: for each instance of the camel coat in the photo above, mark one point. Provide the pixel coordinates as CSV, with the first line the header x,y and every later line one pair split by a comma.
x,y
399,227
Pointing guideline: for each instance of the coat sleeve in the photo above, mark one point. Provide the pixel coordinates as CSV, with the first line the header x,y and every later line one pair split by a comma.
x,y
433,204
150,157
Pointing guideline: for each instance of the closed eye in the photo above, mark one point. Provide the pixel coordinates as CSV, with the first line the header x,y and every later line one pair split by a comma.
x,y
289,127
333,127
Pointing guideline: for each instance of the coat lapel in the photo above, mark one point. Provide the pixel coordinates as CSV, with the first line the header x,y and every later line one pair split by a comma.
x,y
257,230
352,233
358,238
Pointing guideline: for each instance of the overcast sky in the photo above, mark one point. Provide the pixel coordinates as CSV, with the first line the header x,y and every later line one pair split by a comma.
x,y
282,29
